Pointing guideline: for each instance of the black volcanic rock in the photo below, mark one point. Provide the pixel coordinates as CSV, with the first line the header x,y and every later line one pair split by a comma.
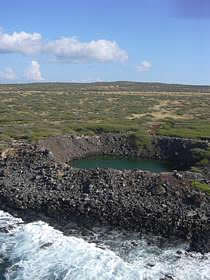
x,y
32,181
176,150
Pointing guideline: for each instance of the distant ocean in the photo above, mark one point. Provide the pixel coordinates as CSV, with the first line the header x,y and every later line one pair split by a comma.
x,y
36,251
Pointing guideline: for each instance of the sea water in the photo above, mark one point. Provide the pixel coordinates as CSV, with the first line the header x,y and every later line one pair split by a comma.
x,y
36,251
122,163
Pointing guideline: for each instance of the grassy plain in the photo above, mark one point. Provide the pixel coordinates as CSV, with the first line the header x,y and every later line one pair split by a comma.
x,y
34,111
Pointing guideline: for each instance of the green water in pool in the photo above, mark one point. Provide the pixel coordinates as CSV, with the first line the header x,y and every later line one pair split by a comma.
x,y
122,163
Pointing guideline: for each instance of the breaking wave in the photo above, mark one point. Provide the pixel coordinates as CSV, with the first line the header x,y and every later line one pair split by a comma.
x,y
36,251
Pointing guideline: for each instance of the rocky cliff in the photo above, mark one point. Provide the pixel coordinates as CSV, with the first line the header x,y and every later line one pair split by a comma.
x,y
176,150
31,179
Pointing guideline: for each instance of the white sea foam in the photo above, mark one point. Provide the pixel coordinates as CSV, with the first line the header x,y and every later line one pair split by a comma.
x,y
36,251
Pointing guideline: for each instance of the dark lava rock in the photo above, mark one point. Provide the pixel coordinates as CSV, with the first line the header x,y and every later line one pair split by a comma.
x,y
34,184
176,150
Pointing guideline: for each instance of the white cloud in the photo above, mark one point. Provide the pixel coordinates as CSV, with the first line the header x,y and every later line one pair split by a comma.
x,y
22,42
8,74
33,73
72,50
66,49
145,66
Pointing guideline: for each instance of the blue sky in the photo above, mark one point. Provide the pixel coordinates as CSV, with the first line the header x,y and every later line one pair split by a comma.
x,y
147,40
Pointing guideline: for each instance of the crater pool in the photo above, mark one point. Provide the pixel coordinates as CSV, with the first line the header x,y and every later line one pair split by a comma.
x,y
122,163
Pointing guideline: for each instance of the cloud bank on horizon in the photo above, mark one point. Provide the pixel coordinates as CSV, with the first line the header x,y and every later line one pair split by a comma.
x,y
8,74
65,49
33,72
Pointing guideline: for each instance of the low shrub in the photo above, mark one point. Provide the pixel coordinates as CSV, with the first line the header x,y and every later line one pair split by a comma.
x,y
201,186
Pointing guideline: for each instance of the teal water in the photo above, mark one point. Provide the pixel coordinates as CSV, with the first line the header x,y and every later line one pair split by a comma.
x,y
117,163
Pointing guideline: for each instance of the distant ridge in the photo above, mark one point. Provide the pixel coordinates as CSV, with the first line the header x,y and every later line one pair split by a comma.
x,y
115,86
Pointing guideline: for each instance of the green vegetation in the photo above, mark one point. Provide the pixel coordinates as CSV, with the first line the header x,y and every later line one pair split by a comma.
x,y
201,156
190,129
201,186
34,111
142,141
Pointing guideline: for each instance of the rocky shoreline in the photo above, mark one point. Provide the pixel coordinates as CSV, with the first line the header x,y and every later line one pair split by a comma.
x,y
36,181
